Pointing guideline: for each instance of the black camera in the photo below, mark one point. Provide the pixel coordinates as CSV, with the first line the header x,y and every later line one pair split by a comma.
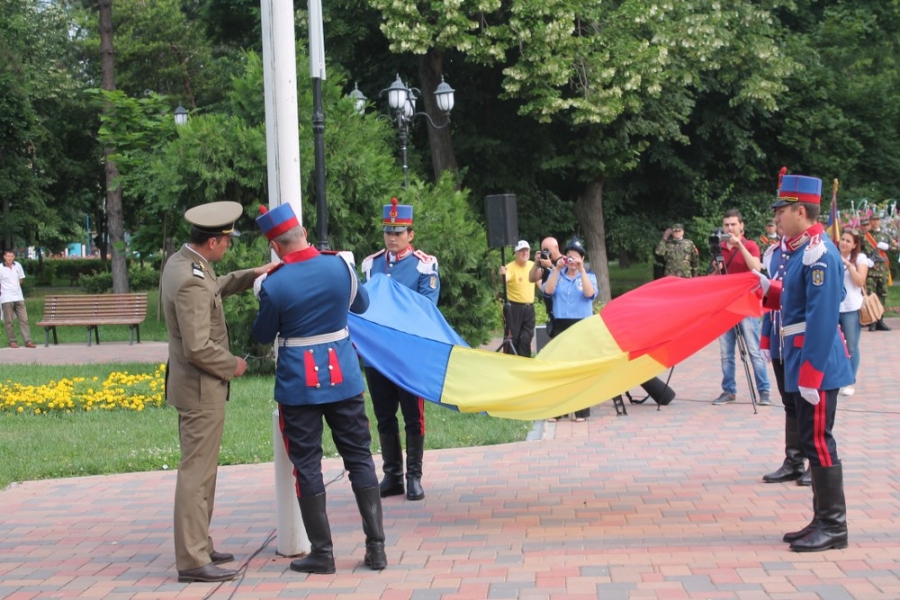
x,y
545,254
715,240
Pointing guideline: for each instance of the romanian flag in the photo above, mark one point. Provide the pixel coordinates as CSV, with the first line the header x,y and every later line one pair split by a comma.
x,y
634,338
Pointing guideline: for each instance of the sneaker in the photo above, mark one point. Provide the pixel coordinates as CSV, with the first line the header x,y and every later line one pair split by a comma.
x,y
30,345
725,398
764,399
848,391
14,344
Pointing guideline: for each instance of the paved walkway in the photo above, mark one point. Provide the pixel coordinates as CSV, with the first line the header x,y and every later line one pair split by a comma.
x,y
68,354
659,504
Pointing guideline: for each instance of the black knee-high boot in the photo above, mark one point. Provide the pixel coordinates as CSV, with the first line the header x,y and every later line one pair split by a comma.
x,y
792,468
832,512
369,503
415,447
813,525
392,455
315,520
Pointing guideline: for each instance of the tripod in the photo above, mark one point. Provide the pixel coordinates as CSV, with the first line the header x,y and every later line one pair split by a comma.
x,y
743,349
507,345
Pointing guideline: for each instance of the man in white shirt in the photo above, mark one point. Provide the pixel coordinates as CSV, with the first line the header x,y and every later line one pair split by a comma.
x,y
12,299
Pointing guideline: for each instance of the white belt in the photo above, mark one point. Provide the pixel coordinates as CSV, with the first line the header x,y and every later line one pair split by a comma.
x,y
314,339
793,329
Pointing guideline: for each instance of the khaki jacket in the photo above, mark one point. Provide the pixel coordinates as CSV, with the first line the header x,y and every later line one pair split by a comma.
x,y
200,362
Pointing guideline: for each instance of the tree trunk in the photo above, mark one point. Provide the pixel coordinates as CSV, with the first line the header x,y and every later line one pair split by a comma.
x,y
431,68
7,237
589,212
114,214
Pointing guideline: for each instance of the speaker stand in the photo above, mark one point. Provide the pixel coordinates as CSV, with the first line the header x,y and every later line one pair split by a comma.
x,y
507,333
619,403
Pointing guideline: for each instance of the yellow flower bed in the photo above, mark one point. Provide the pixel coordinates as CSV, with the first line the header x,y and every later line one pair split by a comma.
x,y
119,390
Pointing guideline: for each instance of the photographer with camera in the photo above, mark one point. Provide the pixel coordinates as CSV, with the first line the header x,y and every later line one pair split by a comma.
x,y
733,253
681,256
540,272
573,289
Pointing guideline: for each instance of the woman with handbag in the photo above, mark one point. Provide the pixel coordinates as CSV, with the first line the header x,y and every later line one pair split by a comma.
x,y
856,267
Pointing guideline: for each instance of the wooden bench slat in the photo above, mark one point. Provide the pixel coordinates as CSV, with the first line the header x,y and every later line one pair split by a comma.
x,y
94,310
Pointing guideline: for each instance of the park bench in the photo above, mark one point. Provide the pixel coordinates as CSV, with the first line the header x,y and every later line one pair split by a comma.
x,y
93,310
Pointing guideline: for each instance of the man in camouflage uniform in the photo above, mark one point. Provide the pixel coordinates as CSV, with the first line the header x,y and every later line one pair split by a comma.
x,y
769,238
878,242
680,255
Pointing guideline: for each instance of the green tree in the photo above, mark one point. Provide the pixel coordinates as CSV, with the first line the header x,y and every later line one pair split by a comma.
x,y
47,158
222,157
616,77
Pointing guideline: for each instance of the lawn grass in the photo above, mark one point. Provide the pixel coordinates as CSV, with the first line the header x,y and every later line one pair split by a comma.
x,y
92,443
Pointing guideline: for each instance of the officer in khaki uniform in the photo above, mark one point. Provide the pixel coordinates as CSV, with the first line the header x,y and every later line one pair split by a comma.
x,y
199,370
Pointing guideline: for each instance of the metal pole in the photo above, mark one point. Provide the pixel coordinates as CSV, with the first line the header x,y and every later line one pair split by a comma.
x,y
317,72
283,159
282,126
318,122
404,137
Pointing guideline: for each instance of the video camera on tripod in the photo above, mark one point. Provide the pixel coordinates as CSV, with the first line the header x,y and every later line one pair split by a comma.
x,y
715,244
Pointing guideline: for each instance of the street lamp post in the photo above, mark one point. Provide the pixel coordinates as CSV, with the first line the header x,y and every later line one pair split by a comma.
x,y
402,103
359,99
317,73
181,115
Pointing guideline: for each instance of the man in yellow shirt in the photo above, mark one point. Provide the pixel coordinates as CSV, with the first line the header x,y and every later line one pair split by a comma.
x,y
520,294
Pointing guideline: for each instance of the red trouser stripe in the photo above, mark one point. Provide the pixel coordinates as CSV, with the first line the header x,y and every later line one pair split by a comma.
x,y
284,438
820,414
422,413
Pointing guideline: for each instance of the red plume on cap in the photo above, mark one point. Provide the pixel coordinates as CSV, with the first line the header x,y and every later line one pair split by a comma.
x,y
780,175
394,202
262,209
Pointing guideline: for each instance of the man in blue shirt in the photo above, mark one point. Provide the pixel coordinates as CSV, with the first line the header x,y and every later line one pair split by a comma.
x,y
417,271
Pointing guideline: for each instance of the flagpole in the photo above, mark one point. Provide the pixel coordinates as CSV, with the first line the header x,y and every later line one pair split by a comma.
x,y
835,227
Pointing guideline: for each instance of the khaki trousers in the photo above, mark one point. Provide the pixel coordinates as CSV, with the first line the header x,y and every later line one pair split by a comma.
x,y
200,432
16,308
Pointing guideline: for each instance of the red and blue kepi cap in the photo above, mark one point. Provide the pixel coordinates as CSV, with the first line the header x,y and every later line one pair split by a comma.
x,y
397,218
797,188
276,221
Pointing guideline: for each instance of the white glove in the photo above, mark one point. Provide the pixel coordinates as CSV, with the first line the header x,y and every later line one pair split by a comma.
x,y
764,282
257,284
811,395
766,354
883,246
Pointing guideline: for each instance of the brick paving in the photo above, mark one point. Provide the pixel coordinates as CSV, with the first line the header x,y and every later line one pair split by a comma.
x,y
659,504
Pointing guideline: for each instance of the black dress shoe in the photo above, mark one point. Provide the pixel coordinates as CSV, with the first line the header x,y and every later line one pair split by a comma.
x,y
220,557
207,573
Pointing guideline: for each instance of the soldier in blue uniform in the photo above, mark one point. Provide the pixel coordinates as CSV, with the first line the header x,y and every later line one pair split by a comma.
x,y
816,361
417,271
770,347
304,303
